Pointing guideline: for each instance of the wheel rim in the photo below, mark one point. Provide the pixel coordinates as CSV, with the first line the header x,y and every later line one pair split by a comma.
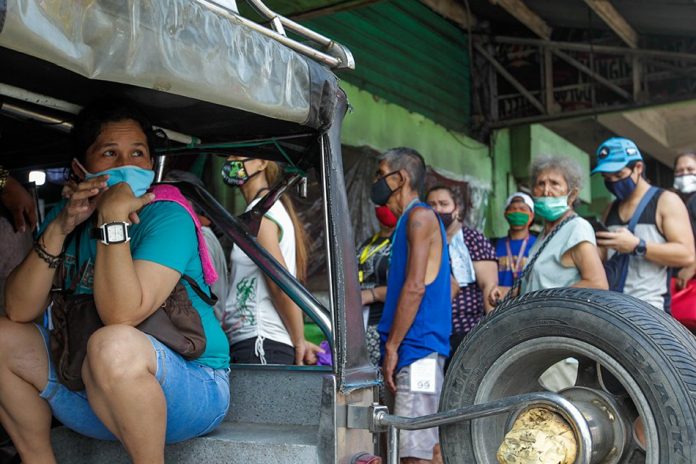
x,y
518,370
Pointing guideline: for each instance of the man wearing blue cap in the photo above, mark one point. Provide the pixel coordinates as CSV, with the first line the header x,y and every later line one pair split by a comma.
x,y
661,236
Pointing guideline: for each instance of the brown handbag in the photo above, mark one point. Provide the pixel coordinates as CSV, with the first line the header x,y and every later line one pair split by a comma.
x,y
176,323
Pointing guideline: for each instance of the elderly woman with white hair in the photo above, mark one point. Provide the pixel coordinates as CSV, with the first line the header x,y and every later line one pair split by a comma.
x,y
565,254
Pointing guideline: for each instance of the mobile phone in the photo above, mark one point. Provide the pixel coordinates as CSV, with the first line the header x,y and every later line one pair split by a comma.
x,y
78,173
597,225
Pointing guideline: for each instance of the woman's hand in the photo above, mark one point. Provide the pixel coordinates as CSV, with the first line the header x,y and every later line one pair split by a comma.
x,y
82,201
684,276
306,353
118,202
496,296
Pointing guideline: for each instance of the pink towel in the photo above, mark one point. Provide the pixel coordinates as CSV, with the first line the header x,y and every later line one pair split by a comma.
x,y
170,193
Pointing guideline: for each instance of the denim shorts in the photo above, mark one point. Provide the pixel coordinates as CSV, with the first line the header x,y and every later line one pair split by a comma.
x,y
197,397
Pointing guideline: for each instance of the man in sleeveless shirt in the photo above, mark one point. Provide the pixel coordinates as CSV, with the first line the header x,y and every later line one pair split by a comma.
x,y
662,237
416,320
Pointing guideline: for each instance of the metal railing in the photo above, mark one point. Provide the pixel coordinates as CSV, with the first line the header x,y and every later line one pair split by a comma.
x,y
331,53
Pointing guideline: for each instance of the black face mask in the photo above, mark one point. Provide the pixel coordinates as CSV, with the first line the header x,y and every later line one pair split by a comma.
x,y
446,218
381,192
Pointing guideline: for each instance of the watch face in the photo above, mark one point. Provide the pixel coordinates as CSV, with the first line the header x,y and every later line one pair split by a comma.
x,y
115,233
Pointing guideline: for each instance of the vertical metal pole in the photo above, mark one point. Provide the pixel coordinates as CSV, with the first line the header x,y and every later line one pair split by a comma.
x,y
637,77
393,457
161,160
493,87
548,81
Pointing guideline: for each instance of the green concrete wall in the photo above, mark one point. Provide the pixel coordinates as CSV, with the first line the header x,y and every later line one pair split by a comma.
x,y
503,182
501,167
535,140
382,125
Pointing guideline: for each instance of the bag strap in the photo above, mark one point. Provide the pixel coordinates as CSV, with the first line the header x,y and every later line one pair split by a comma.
x,y
641,207
208,299
528,268
62,271
631,227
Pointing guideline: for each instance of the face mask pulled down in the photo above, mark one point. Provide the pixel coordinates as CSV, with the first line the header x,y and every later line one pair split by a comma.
x,y
385,216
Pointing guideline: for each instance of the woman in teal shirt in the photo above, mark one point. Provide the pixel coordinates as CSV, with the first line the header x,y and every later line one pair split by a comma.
x,y
138,390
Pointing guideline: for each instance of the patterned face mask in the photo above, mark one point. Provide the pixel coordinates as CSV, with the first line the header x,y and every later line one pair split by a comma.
x,y
235,173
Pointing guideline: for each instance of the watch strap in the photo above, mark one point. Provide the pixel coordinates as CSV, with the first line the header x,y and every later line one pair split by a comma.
x,y
640,249
99,232
96,233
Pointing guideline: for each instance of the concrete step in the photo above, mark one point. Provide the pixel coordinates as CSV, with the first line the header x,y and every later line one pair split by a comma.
x,y
273,419
230,443
290,395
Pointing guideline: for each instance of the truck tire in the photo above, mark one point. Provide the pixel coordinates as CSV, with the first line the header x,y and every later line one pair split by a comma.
x,y
650,357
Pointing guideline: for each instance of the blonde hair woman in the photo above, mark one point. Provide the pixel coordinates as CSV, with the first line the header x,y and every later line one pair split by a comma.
x,y
263,324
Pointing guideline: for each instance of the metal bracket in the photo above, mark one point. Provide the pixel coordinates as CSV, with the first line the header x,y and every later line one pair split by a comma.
x,y
381,420
333,54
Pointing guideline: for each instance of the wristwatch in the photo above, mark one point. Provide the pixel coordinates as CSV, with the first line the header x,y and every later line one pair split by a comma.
x,y
641,249
112,232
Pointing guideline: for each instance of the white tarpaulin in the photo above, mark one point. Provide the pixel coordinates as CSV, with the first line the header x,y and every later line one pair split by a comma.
x,y
176,46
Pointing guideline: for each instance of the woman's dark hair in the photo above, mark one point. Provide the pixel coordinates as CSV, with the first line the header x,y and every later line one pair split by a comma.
x,y
446,189
682,155
90,122
459,210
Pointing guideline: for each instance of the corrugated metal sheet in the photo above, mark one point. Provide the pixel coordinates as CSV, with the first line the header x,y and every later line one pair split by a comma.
x,y
408,55
404,52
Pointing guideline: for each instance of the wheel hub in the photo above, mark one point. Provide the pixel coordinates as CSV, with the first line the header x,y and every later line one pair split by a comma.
x,y
606,420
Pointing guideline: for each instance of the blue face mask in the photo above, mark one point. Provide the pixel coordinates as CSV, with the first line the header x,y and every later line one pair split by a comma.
x,y
622,188
551,208
138,179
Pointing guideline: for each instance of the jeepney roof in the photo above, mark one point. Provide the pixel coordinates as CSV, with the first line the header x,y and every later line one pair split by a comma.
x,y
194,69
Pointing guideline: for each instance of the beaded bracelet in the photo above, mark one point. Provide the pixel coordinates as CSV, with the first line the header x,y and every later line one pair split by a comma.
x,y
52,260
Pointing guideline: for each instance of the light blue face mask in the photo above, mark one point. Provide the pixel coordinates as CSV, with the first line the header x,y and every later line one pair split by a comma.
x,y
551,208
138,179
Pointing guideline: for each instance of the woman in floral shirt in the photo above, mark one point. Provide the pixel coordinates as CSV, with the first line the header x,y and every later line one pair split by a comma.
x,y
471,303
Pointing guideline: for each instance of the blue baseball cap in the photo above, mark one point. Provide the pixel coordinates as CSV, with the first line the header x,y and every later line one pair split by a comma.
x,y
616,153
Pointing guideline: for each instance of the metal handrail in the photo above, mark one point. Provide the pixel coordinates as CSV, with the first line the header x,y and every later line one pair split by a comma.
x,y
334,54
235,230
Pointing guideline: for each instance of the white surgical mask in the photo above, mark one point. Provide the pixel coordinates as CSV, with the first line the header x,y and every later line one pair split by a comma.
x,y
685,183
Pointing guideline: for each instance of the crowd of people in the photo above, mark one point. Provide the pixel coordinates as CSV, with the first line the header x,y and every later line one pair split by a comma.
x,y
644,239
427,279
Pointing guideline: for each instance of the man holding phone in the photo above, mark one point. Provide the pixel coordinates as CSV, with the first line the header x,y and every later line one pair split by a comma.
x,y
662,237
